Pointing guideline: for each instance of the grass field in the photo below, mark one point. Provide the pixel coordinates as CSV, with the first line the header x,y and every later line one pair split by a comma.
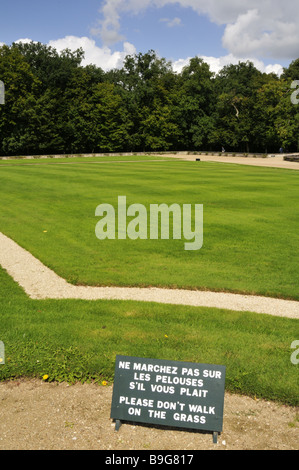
x,y
251,223
71,340
250,245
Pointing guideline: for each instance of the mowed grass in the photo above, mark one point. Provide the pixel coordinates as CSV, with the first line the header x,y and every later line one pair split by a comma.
x,y
69,159
251,223
74,340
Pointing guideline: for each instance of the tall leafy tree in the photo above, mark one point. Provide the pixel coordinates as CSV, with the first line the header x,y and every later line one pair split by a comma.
x,y
96,119
196,102
235,112
292,71
55,105
18,132
54,70
146,83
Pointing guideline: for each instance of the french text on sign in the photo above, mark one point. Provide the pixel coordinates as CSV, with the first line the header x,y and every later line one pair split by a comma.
x,y
169,393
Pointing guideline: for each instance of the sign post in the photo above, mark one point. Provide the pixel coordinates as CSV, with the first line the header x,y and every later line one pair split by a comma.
x,y
169,393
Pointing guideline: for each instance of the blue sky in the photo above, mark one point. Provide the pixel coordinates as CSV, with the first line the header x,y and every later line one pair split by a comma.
x,y
220,31
174,32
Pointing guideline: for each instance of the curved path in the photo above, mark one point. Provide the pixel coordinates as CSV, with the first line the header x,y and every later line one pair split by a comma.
x,y
40,282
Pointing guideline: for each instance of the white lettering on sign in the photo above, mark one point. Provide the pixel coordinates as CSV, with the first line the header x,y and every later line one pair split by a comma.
x,y
213,374
193,393
157,414
189,418
155,368
193,372
179,380
124,365
136,401
169,393
209,410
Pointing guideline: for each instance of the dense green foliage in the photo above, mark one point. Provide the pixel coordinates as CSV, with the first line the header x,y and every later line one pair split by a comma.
x,y
53,104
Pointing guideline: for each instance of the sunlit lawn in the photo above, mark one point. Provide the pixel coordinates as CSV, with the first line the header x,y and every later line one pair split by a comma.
x,y
251,223
71,340
250,245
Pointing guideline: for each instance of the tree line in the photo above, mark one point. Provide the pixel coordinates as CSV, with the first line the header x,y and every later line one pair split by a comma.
x,y
54,105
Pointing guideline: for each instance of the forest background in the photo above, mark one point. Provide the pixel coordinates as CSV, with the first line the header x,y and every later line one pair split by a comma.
x,y
54,105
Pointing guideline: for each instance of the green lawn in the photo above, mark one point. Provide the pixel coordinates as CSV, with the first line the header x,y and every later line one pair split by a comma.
x,y
71,340
51,160
250,245
251,223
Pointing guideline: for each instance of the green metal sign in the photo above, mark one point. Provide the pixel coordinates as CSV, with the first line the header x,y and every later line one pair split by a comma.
x,y
169,393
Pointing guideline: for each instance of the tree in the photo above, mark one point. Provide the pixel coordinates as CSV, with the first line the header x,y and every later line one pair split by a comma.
x,y
17,116
144,84
97,120
236,113
55,105
195,103
292,71
158,128
54,70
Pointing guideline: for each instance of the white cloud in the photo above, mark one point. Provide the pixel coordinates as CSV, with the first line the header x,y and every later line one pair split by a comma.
x,y
253,27
100,56
217,63
109,26
25,41
267,36
104,58
171,23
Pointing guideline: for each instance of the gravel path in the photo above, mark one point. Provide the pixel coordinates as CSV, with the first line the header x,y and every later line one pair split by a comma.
x,y
276,161
39,282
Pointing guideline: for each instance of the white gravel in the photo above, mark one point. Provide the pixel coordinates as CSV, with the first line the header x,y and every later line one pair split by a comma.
x,y
39,282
